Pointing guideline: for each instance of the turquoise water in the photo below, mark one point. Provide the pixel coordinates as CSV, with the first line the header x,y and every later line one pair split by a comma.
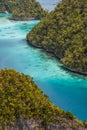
x,y
5,15
65,89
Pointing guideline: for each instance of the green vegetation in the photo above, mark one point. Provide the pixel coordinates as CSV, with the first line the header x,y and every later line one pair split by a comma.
x,y
64,33
23,9
20,98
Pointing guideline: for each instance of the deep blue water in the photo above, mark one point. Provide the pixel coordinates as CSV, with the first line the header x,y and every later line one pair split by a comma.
x,y
65,89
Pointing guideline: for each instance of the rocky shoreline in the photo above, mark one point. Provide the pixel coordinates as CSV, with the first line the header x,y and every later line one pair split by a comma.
x,y
63,66
22,19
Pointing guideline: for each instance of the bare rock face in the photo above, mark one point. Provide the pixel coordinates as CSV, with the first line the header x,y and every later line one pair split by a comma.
x,y
28,124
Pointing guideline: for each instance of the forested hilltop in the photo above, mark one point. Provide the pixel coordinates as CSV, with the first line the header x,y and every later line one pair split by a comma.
x,y
64,33
23,9
23,106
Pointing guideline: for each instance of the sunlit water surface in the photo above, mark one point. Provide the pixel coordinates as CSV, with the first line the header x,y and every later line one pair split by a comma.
x,y
65,89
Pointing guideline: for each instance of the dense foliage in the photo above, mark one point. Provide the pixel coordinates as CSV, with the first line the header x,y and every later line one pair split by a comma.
x,y
20,98
64,33
23,8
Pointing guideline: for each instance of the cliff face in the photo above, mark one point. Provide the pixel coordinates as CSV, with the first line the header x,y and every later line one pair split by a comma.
x,y
28,124
23,9
64,33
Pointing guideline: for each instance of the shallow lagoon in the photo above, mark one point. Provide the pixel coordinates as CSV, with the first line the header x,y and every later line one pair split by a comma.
x,y
67,90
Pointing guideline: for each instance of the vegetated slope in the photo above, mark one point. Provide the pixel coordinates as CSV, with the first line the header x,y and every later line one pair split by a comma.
x,y
64,33
7,5
23,8
24,106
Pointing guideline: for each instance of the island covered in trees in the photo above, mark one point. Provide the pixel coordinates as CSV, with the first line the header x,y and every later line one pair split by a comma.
x,y
23,106
23,9
64,34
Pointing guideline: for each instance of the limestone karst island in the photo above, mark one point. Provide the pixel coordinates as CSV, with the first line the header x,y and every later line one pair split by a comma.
x,y
43,65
